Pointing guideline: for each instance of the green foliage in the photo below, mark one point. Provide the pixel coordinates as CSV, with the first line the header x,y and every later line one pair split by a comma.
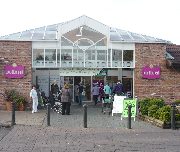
x,y
152,110
148,102
164,113
156,108
159,102
20,100
144,105
177,117
11,95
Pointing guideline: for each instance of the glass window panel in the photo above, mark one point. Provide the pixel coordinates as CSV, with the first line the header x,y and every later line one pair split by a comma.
x,y
50,54
84,42
38,54
38,57
38,35
66,54
90,54
40,29
26,34
65,42
58,54
115,37
50,35
116,55
124,35
78,54
149,38
137,37
127,58
101,55
51,28
14,36
128,55
78,57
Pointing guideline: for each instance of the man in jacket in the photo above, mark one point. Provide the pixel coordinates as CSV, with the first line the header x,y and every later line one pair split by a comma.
x,y
95,93
118,89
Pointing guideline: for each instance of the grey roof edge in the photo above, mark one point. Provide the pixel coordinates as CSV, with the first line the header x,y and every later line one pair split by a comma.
x,y
10,37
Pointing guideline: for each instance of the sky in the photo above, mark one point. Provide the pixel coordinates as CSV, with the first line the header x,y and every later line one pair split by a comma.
x,y
157,18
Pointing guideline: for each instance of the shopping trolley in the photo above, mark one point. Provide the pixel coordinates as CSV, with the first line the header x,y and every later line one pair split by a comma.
x,y
57,107
107,104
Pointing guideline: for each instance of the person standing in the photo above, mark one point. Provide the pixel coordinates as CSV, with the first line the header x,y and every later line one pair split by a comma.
x,y
107,92
54,88
81,89
33,95
101,92
66,100
95,93
76,92
118,89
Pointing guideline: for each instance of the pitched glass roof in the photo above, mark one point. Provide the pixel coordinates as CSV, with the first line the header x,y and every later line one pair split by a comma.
x,y
50,33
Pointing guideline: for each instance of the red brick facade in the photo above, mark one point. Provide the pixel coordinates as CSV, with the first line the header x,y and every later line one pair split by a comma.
x,y
19,53
168,86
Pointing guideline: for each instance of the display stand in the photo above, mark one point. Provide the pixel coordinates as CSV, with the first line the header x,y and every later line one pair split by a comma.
x,y
118,104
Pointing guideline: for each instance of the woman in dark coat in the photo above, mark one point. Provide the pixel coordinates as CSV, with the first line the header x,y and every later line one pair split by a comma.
x,y
66,100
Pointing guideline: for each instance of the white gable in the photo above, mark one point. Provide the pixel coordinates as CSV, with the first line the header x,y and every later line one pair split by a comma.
x,y
81,21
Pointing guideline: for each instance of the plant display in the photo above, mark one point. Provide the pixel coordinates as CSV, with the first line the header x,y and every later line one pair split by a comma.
x,y
152,110
156,108
164,113
13,95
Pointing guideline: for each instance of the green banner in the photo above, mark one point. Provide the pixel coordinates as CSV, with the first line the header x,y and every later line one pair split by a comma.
x,y
126,103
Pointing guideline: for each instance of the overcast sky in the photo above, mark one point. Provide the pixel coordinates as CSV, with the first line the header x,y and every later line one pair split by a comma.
x,y
157,18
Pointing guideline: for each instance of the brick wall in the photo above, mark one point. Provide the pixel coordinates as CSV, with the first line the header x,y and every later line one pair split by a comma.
x,y
19,53
168,86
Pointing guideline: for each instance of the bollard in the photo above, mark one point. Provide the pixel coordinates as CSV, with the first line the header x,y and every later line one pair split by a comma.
x,y
173,122
129,116
13,122
48,113
85,115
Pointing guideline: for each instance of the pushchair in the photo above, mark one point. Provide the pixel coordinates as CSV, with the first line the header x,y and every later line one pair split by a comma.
x,y
57,107
107,104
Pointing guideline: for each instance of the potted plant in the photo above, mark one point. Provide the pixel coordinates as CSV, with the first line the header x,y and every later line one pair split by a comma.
x,y
11,96
20,102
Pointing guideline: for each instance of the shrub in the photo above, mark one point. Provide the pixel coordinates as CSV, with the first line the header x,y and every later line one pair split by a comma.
x,y
159,102
152,110
148,102
164,113
144,105
177,117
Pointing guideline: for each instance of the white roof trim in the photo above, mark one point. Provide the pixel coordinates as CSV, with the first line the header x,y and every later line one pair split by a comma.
x,y
83,20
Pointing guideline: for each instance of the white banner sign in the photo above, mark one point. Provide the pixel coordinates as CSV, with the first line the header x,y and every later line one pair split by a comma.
x,y
118,104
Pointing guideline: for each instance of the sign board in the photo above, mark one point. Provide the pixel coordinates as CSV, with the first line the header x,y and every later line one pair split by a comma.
x,y
118,104
126,103
14,71
151,72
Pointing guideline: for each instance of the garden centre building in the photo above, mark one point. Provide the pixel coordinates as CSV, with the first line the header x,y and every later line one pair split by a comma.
x,y
85,50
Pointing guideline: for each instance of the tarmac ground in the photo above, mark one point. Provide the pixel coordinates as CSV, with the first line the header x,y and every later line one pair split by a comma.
x,y
66,133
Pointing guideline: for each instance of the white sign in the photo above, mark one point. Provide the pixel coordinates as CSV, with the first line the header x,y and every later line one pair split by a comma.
x,y
79,72
118,104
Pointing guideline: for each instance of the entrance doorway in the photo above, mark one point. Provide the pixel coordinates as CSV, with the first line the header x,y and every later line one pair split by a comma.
x,y
86,82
